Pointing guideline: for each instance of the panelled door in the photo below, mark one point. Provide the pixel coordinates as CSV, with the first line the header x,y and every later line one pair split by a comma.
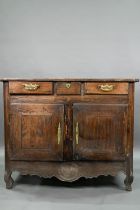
x,y
36,131
99,131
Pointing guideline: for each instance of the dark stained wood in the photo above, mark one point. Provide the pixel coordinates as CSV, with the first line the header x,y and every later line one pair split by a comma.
x,y
68,88
95,88
129,148
69,171
102,131
34,131
8,171
19,87
68,142
97,99
105,121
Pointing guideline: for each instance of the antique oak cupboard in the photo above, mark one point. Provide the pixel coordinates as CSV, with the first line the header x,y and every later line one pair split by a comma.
x,y
69,128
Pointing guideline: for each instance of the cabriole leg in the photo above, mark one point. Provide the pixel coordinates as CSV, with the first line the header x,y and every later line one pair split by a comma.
x,y
8,179
128,181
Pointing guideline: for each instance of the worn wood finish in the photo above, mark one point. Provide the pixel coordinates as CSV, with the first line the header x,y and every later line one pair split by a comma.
x,y
68,141
68,88
34,131
102,131
71,79
129,157
97,99
99,88
19,87
41,128
8,171
69,171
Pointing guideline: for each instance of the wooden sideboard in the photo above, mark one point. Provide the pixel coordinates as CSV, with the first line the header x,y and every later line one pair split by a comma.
x,y
69,128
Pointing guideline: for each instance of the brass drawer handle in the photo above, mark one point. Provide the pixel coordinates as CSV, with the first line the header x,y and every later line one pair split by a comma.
x,y
59,133
67,85
31,86
106,87
77,133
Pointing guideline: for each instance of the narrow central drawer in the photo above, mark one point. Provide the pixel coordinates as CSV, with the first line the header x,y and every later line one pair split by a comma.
x,y
24,87
68,88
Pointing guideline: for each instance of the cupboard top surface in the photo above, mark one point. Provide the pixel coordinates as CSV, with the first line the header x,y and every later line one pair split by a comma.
x,y
73,79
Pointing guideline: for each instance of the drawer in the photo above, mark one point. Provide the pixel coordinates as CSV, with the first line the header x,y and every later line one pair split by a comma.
x,y
106,88
25,87
68,88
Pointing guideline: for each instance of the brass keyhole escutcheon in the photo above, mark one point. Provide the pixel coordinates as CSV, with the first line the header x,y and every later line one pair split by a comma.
x,y
68,85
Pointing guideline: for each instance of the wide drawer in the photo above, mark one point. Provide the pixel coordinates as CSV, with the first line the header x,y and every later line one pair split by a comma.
x,y
68,88
106,88
30,87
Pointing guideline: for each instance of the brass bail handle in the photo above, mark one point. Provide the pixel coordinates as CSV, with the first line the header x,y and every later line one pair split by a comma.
x,y
31,86
59,133
106,87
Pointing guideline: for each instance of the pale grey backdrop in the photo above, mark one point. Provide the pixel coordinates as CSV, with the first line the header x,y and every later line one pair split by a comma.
x,y
70,38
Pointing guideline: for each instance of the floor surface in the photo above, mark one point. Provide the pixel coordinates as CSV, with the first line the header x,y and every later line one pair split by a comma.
x,y
101,193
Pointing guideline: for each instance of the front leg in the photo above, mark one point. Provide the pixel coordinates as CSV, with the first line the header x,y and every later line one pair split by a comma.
x,y
8,179
129,173
128,181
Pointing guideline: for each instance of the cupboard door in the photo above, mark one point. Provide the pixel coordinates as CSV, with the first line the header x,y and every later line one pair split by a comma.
x,y
100,131
36,131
